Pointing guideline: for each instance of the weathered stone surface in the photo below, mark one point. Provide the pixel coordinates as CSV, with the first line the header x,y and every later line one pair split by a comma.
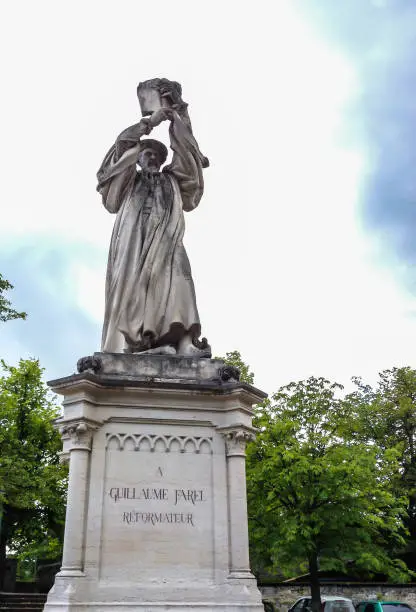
x,y
166,367
157,516
162,371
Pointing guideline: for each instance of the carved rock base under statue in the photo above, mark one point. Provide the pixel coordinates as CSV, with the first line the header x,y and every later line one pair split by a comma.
x,y
156,514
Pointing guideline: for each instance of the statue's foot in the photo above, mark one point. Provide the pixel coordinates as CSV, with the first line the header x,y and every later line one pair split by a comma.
x,y
192,351
167,349
187,348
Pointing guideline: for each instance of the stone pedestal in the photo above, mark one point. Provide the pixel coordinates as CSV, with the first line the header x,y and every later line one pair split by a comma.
x,y
157,514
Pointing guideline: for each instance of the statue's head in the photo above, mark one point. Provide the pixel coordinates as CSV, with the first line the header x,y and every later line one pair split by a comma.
x,y
152,155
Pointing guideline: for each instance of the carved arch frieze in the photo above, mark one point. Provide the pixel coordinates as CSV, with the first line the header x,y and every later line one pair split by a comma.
x,y
159,443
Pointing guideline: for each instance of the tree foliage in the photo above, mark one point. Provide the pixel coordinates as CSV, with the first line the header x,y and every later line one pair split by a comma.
x,y
7,313
386,417
32,481
315,497
332,480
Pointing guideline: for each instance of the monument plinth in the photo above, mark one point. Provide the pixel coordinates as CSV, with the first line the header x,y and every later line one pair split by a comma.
x,y
157,514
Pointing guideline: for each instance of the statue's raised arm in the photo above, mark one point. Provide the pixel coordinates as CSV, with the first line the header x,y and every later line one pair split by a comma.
x,y
150,295
165,98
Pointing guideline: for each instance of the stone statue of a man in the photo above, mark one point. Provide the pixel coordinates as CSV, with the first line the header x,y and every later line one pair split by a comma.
x,y
150,296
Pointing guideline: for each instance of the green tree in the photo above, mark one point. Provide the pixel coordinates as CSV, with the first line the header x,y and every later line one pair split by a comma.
x,y
316,498
32,481
7,313
386,416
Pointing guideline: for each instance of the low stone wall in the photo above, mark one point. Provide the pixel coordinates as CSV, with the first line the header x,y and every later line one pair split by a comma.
x,y
283,595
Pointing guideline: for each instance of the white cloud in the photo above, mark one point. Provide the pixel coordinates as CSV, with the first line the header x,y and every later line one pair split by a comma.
x,y
282,270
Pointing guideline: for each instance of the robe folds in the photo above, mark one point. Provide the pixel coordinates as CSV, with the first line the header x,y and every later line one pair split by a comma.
x,y
150,296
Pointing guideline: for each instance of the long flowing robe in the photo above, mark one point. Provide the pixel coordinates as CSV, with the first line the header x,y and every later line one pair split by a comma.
x,y
150,296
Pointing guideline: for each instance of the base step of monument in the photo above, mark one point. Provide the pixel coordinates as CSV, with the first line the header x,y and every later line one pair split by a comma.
x,y
22,602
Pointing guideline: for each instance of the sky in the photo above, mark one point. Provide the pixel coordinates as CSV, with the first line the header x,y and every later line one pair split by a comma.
x,y
303,247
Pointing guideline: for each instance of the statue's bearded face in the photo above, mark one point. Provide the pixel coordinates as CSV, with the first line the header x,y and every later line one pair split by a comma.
x,y
149,160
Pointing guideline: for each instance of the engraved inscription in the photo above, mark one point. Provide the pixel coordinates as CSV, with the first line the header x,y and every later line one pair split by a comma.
x,y
189,495
175,496
117,493
192,496
158,517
